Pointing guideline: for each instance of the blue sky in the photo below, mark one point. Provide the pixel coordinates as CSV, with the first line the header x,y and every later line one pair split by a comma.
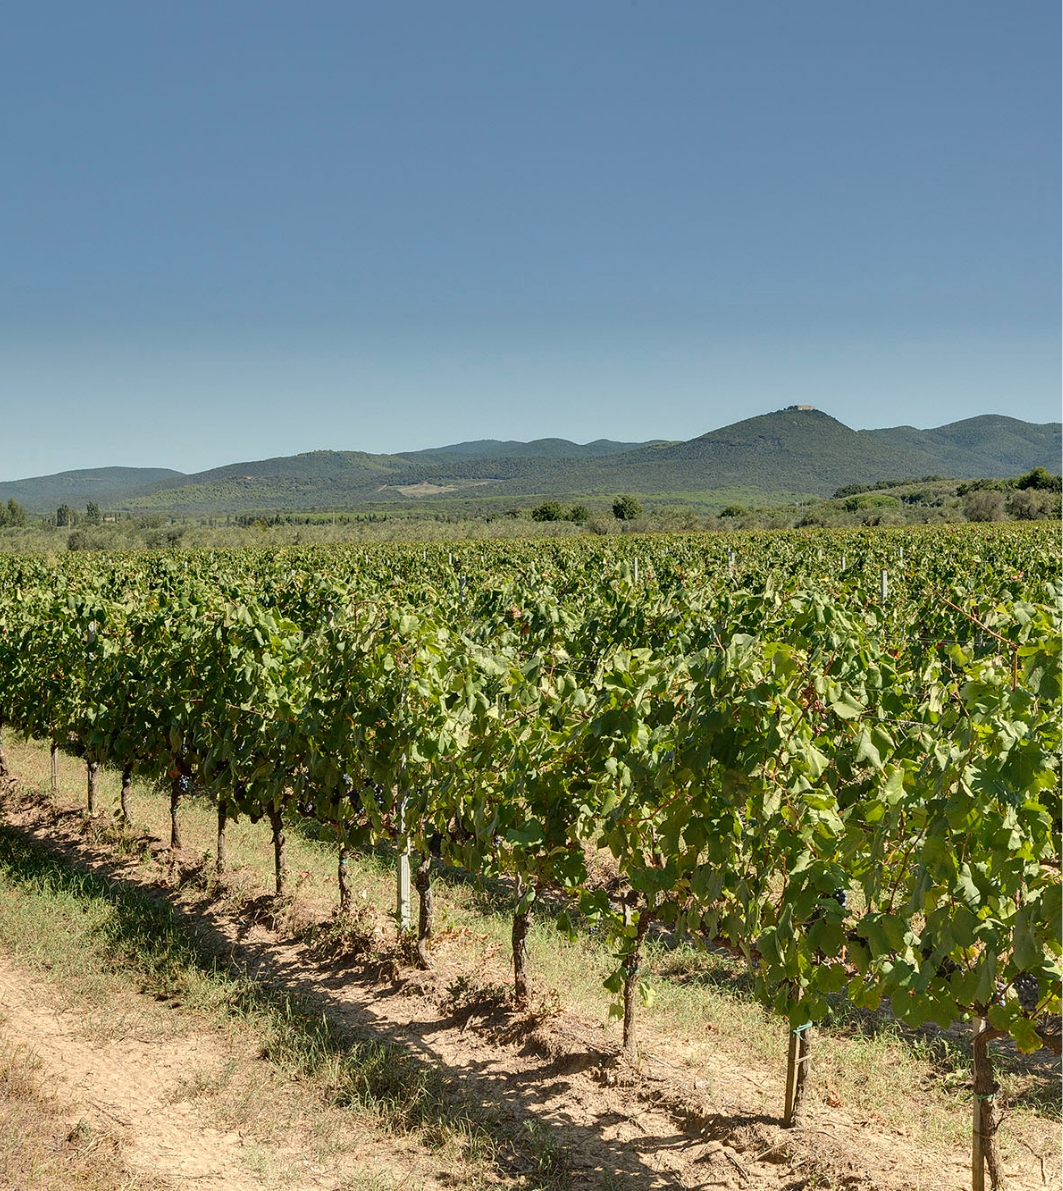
x,y
249,229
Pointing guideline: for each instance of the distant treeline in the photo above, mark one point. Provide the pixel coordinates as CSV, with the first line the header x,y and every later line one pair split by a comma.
x,y
1033,496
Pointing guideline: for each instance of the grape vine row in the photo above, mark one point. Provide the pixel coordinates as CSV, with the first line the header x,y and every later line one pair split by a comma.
x,y
853,784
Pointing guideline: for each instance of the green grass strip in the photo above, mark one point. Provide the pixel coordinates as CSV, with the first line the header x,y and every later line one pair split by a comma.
x,y
142,934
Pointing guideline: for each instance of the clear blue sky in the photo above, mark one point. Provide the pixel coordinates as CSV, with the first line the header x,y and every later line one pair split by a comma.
x,y
236,230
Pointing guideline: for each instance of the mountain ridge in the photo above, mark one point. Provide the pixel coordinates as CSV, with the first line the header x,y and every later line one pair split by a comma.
x,y
786,454
540,448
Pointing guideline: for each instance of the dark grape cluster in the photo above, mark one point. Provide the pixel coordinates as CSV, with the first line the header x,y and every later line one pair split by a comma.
x,y
1028,989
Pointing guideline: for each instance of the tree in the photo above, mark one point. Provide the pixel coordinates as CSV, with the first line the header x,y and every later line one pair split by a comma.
x,y
984,505
93,516
871,500
14,514
64,516
1033,504
626,508
1039,477
579,514
548,511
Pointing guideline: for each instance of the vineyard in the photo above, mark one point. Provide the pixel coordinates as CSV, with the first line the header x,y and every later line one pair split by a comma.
x,y
835,756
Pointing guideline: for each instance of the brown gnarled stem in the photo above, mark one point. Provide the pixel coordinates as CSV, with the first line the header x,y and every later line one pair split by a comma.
x,y
632,964
177,781
519,939
422,882
276,821
985,1152
343,876
222,858
92,769
127,789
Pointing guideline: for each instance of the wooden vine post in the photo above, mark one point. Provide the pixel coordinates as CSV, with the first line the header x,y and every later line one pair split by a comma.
x,y
798,1060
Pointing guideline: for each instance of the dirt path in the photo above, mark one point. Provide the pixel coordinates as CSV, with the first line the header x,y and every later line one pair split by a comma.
x,y
123,1086
135,1089
664,1126
657,1127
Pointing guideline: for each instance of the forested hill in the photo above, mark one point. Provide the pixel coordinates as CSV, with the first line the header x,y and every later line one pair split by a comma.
x,y
778,456
75,487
